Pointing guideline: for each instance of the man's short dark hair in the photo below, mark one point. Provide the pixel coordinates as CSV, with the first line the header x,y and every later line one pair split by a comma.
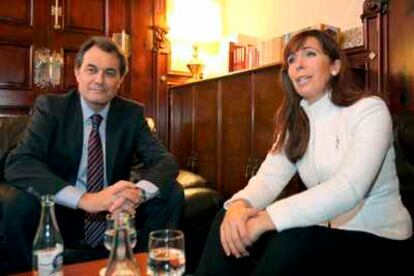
x,y
106,45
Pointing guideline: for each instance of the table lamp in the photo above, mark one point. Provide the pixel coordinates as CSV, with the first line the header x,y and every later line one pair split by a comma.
x,y
195,65
195,23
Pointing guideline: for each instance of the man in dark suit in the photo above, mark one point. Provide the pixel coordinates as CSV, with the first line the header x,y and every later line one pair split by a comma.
x,y
94,151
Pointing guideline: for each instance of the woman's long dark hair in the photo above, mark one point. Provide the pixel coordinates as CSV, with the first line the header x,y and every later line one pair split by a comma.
x,y
292,125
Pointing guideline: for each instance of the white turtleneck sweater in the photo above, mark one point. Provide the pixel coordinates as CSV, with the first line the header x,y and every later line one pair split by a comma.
x,y
348,168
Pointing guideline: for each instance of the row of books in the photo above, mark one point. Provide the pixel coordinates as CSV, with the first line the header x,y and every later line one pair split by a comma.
x,y
249,56
258,52
243,57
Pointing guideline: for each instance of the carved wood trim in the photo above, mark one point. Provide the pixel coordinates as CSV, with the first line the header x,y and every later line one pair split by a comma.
x,y
373,7
160,42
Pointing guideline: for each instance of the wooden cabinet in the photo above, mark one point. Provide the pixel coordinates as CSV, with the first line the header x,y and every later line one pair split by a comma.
x,y
222,128
267,97
235,138
194,113
205,129
249,103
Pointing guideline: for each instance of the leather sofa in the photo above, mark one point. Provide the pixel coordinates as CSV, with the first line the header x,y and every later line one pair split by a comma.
x,y
200,206
201,202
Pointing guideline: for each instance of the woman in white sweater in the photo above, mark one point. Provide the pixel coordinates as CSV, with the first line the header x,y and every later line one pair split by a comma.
x,y
339,140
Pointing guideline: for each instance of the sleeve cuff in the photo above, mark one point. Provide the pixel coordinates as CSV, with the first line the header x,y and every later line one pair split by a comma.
x,y
69,196
150,189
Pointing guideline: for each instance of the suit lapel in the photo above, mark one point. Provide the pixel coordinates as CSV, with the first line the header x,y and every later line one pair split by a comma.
x,y
113,136
75,132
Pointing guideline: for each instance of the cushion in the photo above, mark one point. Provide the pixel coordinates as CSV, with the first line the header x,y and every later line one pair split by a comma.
x,y
189,179
201,202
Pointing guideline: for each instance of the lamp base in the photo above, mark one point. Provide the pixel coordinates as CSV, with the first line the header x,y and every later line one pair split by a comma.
x,y
196,70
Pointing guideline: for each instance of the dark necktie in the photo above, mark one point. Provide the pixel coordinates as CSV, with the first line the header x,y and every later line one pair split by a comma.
x,y
95,223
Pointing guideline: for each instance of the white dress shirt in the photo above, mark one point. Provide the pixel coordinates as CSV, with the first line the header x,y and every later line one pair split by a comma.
x,y
348,168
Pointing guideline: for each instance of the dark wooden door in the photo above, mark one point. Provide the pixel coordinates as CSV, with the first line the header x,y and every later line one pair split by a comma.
x,y
236,146
205,130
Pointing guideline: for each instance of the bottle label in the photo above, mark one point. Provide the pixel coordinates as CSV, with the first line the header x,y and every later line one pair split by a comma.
x,y
50,261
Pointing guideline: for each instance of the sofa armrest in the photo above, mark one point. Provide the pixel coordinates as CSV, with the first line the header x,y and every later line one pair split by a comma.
x,y
11,130
189,179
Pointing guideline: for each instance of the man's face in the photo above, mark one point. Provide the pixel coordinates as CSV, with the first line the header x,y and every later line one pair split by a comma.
x,y
98,77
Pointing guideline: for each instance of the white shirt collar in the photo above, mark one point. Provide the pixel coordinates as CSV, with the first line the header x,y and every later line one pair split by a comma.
x,y
87,112
321,105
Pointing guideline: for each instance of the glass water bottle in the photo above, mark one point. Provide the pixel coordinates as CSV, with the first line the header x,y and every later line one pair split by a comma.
x,y
48,243
122,260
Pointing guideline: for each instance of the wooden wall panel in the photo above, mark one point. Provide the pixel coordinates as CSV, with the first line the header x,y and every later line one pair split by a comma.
x,y
69,80
16,101
181,118
16,95
17,73
30,22
235,131
77,16
205,133
267,91
141,66
20,13
160,96
20,32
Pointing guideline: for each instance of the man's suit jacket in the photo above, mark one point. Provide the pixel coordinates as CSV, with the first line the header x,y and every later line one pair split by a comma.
x,y
48,157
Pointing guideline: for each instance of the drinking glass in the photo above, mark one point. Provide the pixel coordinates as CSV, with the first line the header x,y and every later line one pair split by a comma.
x,y
110,230
166,253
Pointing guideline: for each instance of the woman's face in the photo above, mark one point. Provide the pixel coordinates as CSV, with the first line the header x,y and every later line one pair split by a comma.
x,y
310,70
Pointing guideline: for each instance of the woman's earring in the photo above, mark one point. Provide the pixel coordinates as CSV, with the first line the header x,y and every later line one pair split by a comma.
x,y
334,73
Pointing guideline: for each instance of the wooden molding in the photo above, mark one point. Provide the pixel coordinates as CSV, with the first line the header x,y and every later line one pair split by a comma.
x,y
160,42
372,7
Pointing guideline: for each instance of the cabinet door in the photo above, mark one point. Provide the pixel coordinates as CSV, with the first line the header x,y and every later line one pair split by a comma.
x,y
205,135
235,133
267,93
181,124
20,32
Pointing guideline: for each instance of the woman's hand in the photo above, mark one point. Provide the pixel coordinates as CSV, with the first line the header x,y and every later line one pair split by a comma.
x,y
234,235
259,224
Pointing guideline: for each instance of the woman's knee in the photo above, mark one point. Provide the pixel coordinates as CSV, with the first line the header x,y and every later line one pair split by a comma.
x,y
289,252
